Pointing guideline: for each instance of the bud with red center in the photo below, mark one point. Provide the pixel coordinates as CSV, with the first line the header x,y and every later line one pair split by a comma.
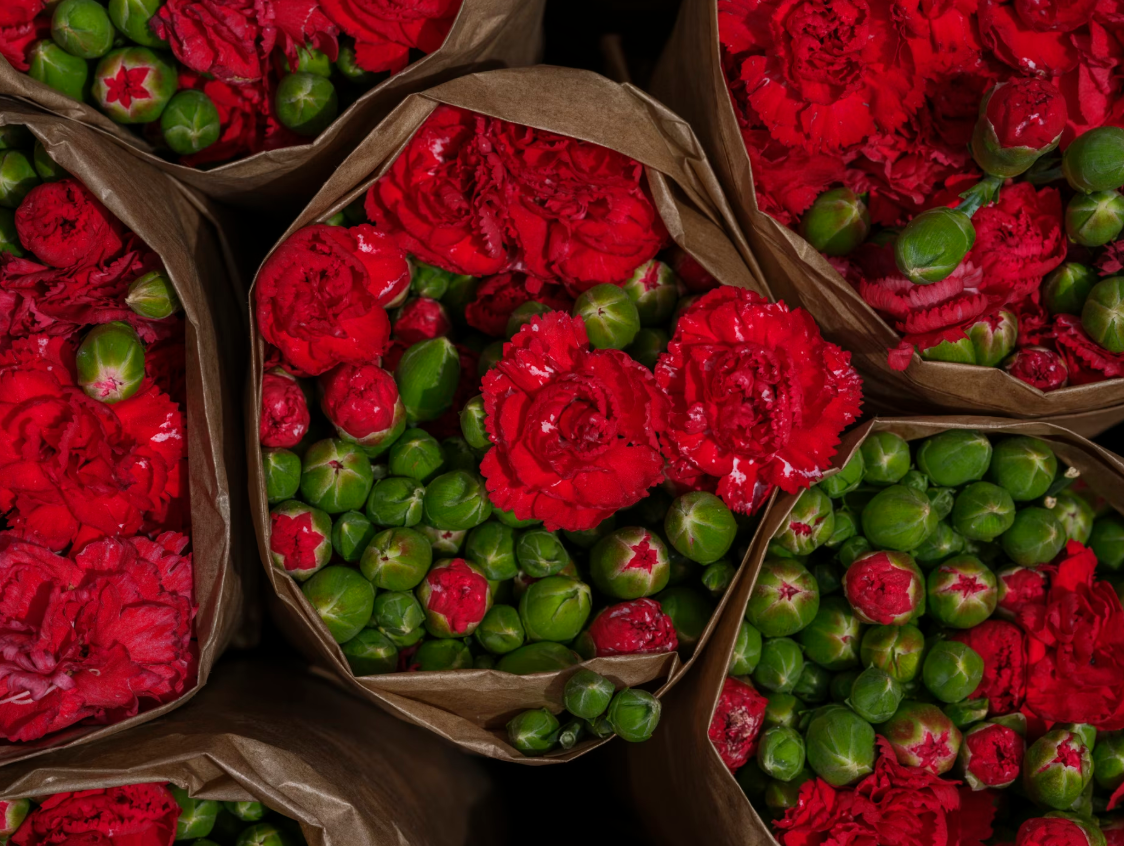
x,y
455,596
1019,121
885,588
923,736
630,563
962,592
785,599
1019,587
300,539
1056,768
1060,830
362,402
421,319
737,722
991,756
1039,367
284,410
1002,646
632,628
12,813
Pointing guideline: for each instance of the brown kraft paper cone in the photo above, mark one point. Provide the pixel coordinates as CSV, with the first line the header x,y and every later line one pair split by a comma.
x,y
274,734
679,783
487,34
471,707
175,224
690,80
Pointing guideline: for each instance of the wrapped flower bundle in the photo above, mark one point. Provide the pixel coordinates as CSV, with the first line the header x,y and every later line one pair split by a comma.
x,y
494,432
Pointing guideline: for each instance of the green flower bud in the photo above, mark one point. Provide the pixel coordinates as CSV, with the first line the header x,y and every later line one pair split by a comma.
x,y
370,653
343,599
263,834
933,244
993,338
396,501
814,684
1107,542
966,713
853,549
472,423
782,795
540,553
416,454
1035,537
351,533
837,222
336,476
427,375
955,457
523,314
897,650
916,480
630,563
747,650
310,60
653,289
962,351
875,695
952,671
134,85
689,610
456,501
717,577
785,599
82,28
899,518
132,18
246,811
508,518
983,511
459,455
943,543
840,746
282,470
398,614
1064,290
190,122
197,816
610,316
571,733
14,812
489,357
841,684
829,576
455,596
845,528
780,666
1108,760
810,524
543,657
57,69
501,630
648,345
443,654
847,479
780,753
922,736
1025,467
832,638
1102,316
306,103
885,458
397,559
700,526
1094,219
152,296
1074,513
943,500
534,732
110,362
634,714
318,527
429,281
446,541
555,609
348,66
1056,768
587,695
9,238
962,592
599,727
1095,160
491,547
783,709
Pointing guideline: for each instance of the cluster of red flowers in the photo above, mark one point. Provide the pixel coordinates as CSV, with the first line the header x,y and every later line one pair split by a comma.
x,y
133,814
97,608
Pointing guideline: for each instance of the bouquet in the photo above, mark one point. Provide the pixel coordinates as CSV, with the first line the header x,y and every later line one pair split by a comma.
x,y
538,429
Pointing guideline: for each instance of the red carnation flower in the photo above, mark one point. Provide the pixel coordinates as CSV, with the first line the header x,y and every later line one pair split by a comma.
x,y
575,430
737,722
17,40
16,12
638,627
1055,831
130,815
420,319
1076,647
303,24
229,39
786,179
992,755
1086,360
1021,586
284,410
1011,31
758,398
1002,646
386,30
1027,113
320,296
94,637
695,278
66,226
360,401
498,296
1039,367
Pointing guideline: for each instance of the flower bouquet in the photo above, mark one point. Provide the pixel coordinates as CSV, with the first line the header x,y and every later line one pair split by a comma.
x,y
925,134
254,102
115,558
229,770
488,442
930,652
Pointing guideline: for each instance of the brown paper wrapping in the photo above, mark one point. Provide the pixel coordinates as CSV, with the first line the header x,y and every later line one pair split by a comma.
x,y
690,80
470,707
175,224
486,34
275,734
681,787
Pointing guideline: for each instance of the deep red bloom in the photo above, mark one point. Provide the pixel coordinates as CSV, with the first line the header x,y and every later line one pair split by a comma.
x,y
1027,113
360,401
737,722
1019,586
695,278
459,594
1039,367
1003,648
787,179
575,430
638,627
994,755
229,39
1086,360
498,296
421,319
65,225
16,12
320,296
883,589
758,398
16,40
302,23
1053,831
130,815
284,410
386,30
1030,50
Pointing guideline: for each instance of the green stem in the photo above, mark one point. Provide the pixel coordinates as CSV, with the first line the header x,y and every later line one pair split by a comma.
x,y
983,193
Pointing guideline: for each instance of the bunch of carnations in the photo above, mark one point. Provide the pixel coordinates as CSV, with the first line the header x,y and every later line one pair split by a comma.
x,y
97,608
152,814
934,632
451,499
210,81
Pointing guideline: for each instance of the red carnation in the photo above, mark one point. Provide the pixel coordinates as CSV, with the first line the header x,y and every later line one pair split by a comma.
x,y
1039,367
284,410
737,722
1086,360
421,319
992,755
16,12
498,296
1075,647
360,401
320,296
1033,51
66,226
386,30
575,430
758,398
1019,587
94,637
303,24
16,40
885,588
229,39
130,815
695,278
1055,831
787,179
1026,113
1003,649
638,627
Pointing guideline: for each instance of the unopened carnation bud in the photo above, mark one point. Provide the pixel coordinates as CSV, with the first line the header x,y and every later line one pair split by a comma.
x,y
916,480
634,715
370,653
875,695
442,655
933,244
396,501
443,541
245,811
420,319
886,458
300,540
1018,587
610,316
555,608
429,281
396,559
282,471
1039,367
427,375
630,563
152,296
416,454
848,478
885,588
897,650
942,544
399,616
780,753
263,834
747,650
1020,121
781,665
836,223
1107,542
9,238
689,610
455,596
343,599
1065,288
962,592
1035,537
491,547
952,671
958,352
1108,760
840,746
524,314
922,736
457,501
1058,828
983,511
110,362
587,695
810,523
853,549
899,518
814,684
1056,768
1095,160
785,599
1102,316
1074,513
832,638
717,577
632,628
942,499
780,796
648,345
1023,466
534,732
700,526
653,289
993,337
284,410
1093,220
846,527
472,419
197,816
990,756
783,709
501,630
543,657
54,67
134,85
306,103
967,712
190,122
351,533
954,457
12,813
82,28
132,17
335,476
540,553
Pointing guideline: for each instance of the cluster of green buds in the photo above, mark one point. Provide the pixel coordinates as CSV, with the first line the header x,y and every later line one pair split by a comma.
x,y
210,822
